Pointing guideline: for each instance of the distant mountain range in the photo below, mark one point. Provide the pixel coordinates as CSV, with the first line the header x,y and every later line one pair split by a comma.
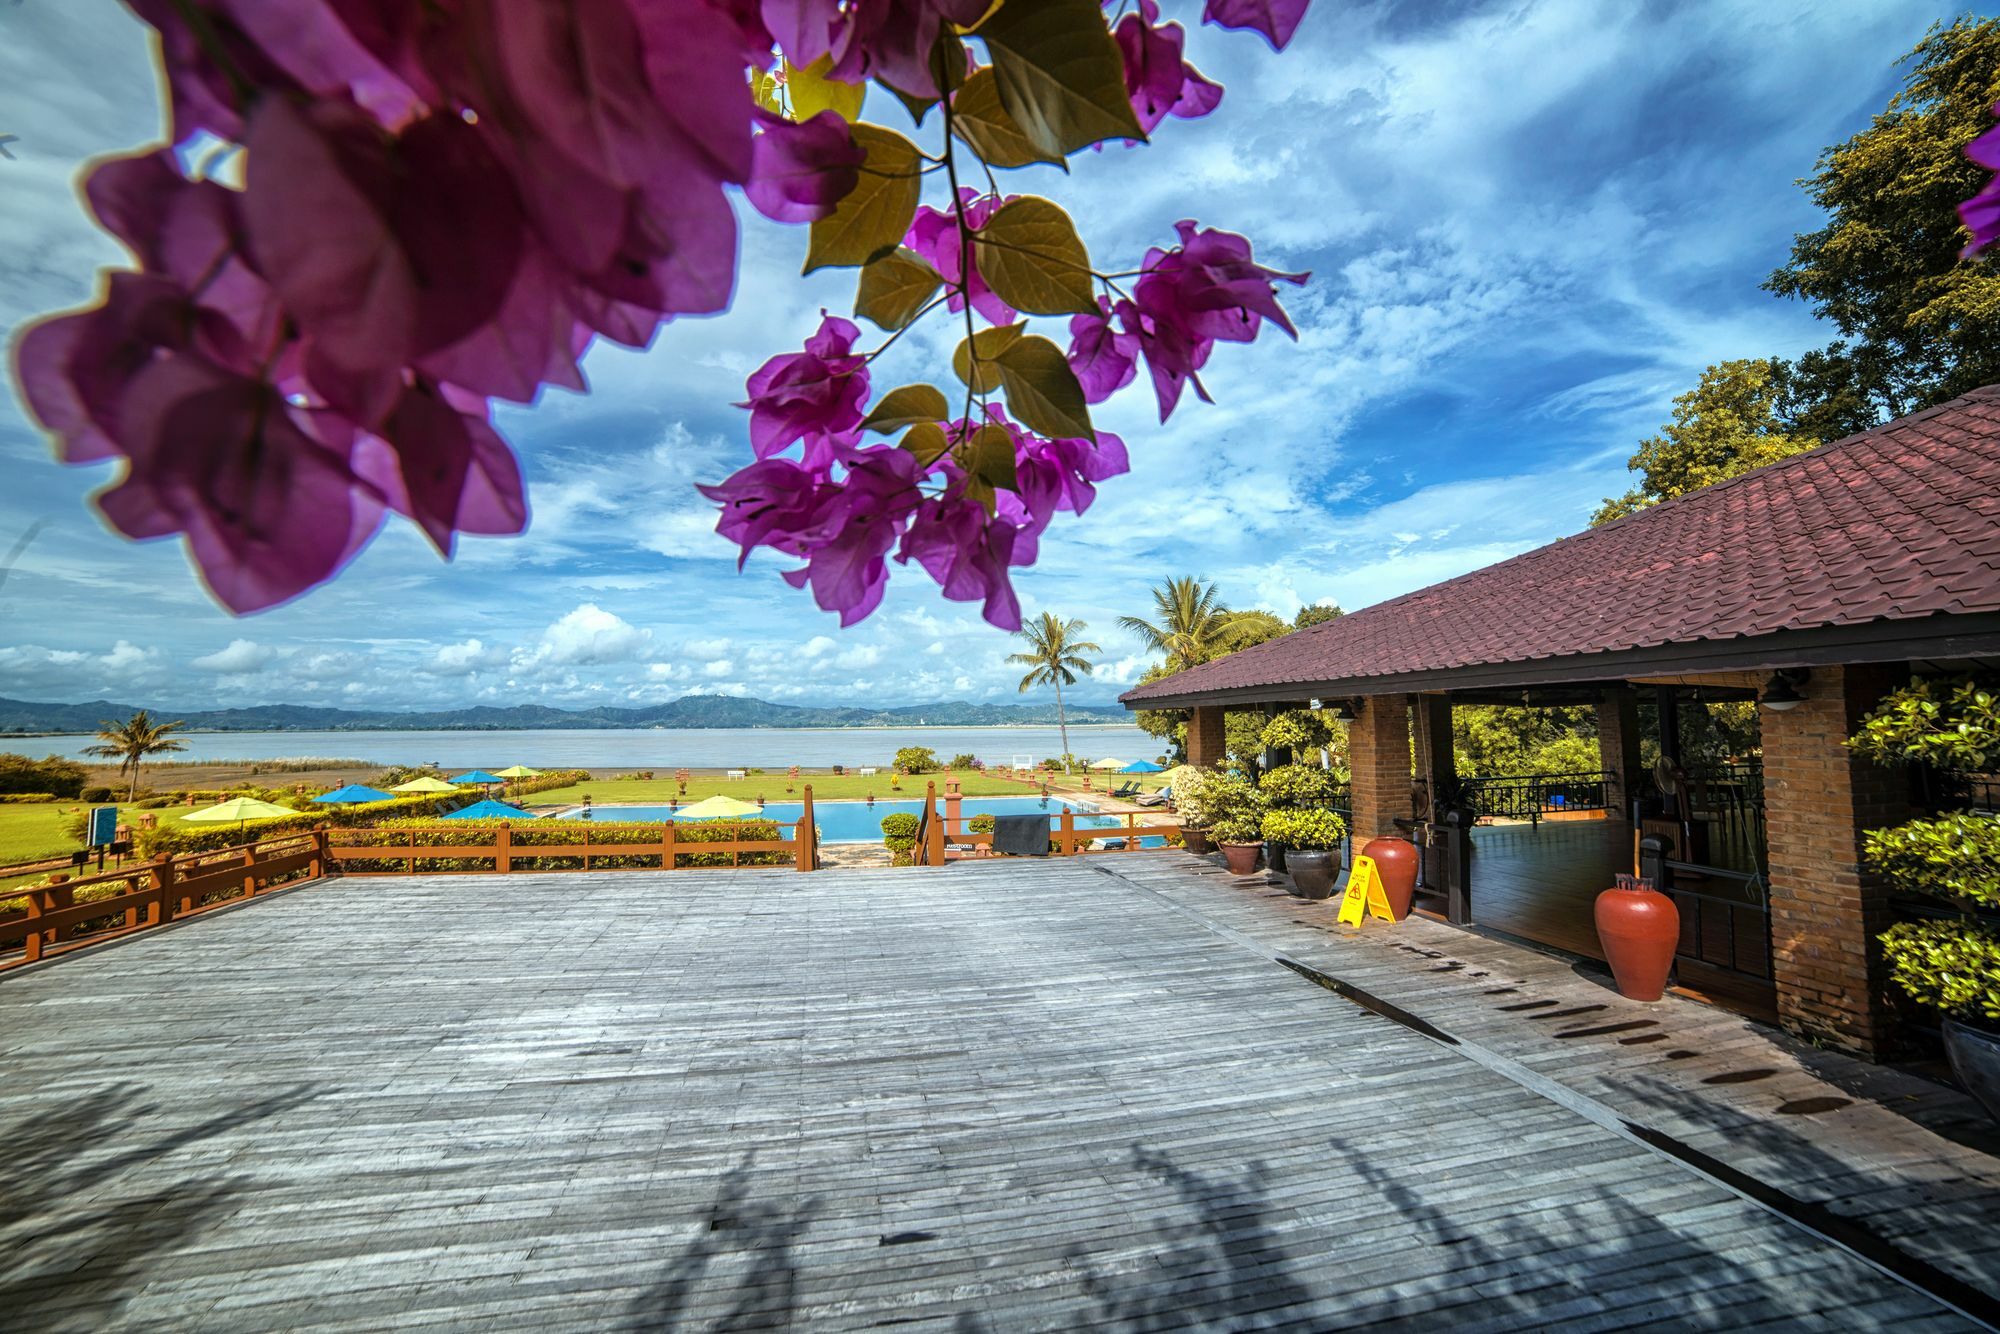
x,y
24,716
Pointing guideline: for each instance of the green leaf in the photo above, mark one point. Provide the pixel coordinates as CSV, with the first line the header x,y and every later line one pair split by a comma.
x,y
926,440
1042,391
1030,256
895,287
813,92
912,405
764,87
1060,74
989,456
978,118
871,221
989,344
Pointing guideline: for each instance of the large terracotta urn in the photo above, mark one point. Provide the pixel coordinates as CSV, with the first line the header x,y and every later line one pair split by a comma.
x,y
1242,857
1639,928
1396,860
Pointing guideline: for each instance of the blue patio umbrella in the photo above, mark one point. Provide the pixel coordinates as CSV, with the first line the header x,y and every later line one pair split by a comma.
x,y
352,794
1141,767
479,776
490,810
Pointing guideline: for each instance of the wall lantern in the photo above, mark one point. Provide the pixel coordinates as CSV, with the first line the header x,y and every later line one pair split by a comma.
x,y
1342,709
1781,692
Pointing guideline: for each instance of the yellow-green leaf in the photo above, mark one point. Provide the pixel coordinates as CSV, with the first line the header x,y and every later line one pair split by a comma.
x,y
1031,257
1060,74
984,376
813,92
989,456
926,440
871,221
895,287
911,405
981,121
1042,391
764,87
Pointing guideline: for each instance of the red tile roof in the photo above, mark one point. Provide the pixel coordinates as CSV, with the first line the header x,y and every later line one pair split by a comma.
x,y
1898,524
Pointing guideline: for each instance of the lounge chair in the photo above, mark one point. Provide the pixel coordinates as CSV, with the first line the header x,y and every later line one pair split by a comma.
x,y
1160,798
1126,790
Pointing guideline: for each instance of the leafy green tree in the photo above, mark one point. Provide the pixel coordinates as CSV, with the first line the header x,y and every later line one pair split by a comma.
x,y
1722,428
1191,626
1504,741
1317,613
1918,324
133,741
916,759
1055,656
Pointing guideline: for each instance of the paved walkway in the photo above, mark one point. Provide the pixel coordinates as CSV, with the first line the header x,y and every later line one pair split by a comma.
x,y
990,1097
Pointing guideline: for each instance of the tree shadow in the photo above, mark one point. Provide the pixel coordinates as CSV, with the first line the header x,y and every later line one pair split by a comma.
x,y
76,1232
765,1295
1216,1258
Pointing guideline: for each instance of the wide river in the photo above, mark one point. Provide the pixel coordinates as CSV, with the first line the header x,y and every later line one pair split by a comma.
x,y
643,748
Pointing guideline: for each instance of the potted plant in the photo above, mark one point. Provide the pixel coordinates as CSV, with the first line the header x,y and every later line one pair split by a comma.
x,y
1292,787
1951,964
1192,789
1311,839
1236,822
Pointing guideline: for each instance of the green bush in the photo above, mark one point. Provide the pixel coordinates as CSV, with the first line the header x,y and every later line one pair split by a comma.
x,y
1956,855
979,824
1296,730
1308,829
97,796
899,831
1296,785
177,839
526,835
1949,965
916,759
964,761
63,778
1953,724
1192,789
27,798
1236,810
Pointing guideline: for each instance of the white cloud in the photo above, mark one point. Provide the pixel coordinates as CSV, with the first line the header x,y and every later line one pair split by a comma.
x,y
588,635
467,658
719,668
243,657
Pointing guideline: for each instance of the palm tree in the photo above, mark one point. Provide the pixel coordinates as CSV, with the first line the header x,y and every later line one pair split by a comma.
x,y
1056,655
131,741
1194,626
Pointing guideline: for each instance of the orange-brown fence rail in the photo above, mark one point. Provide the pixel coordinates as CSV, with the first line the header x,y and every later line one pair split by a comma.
x,y
56,919
944,832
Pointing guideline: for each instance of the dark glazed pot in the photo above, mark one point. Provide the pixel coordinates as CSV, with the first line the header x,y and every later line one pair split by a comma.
x,y
1975,1059
1196,839
1274,857
1242,857
1639,929
1312,873
1396,860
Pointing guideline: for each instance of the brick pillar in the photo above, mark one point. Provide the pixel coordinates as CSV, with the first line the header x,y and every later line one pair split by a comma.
x,y
1378,753
1207,745
1618,747
1826,910
1436,764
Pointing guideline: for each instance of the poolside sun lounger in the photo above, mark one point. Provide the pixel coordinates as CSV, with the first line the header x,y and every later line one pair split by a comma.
x,y
1159,798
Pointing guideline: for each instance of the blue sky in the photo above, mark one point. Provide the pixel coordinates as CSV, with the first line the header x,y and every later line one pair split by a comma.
x,y
1530,225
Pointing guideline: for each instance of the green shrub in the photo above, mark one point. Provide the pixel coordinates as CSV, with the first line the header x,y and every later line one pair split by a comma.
x,y
56,775
1953,724
1192,792
526,835
97,796
964,761
1296,785
916,759
979,824
1316,830
27,798
1236,811
899,831
1948,965
1956,855
1296,730
177,839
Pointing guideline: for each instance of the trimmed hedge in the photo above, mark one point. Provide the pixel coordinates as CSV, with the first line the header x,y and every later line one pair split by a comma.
x,y
177,839
526,835
27,798
899,832
1948,965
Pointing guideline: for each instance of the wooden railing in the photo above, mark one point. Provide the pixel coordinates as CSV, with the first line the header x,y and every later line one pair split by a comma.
x,y
150,894
944,831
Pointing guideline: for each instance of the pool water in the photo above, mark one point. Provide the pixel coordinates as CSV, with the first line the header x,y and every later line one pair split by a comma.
x,y
861,821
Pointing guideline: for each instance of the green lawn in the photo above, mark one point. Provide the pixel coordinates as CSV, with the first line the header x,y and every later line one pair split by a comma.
x,y
31,831
772,786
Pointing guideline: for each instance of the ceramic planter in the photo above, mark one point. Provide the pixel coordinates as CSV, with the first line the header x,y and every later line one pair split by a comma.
x,y
1274,857
1639,928
1975,1059
1242,857
1312,872
1396,860
1195,839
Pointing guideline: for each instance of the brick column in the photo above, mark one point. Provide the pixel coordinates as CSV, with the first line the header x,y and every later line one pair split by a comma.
x,y
1618,747
1378,753
1826,910
1436,764
1207,745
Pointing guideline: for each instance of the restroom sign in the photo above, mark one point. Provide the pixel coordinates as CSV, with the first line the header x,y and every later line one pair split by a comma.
x,y
1365,895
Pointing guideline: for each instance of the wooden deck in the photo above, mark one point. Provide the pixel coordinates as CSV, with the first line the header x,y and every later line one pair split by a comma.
x,y
986,1097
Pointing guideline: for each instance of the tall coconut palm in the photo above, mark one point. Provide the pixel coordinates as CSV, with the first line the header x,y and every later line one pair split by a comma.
x,y
1193,626
1055,654
131,741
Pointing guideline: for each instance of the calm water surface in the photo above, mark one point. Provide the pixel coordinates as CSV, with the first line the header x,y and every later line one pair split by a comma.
x,y
705,748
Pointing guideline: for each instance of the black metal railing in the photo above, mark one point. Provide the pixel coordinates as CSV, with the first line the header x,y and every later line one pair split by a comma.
x,y
1534,797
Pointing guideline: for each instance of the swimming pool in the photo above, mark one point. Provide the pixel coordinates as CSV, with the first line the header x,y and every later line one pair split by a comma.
x,y
861,821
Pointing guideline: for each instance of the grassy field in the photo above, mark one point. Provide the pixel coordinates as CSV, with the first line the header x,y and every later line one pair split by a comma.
x,y
31,831
771,786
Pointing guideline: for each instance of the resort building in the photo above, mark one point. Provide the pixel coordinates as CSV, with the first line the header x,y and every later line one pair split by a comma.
x,y
1811,586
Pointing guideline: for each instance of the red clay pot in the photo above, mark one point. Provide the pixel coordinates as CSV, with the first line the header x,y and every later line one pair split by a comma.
x,y
1242,857
1195,839
1639,929
1396,860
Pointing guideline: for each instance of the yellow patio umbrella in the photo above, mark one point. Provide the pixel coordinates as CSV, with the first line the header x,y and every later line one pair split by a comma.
x,y
518,771
1109,763
240,810
718,808
424,784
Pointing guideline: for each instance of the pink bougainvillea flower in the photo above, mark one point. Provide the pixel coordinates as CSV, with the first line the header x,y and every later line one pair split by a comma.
x,y
936,236
1103,359
1158,80
858,525
1212,288
1276,19
967,551
1981,213
1173,355
820,391
800,171
889,40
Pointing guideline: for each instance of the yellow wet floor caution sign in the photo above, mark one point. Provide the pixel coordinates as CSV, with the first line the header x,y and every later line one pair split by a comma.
x,y
1364,894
